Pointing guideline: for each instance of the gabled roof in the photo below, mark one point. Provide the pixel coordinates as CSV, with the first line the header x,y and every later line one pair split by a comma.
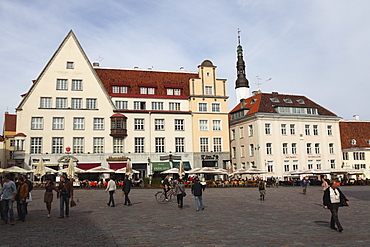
x,y
266,103
136,78
10,122
352,130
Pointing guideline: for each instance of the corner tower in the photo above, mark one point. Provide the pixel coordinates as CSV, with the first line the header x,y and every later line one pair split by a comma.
x,y
241,83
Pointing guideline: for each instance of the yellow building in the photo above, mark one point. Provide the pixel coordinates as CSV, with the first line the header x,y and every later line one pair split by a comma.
x,y
208,104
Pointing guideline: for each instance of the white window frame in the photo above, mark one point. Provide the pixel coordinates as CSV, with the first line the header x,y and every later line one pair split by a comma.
x,y
208,90
121,104
45,102
269,148
139,144
179,144
118,145
78,123
217,144
267,129
98,123
174,106
57,145
76,103
58,123
160,145
179,125
91,103
216,125
76,85
37,123
202,107
62,84
216,107
36,145
78,145
98,145
203,125
204,144
159,124
61,103
139,124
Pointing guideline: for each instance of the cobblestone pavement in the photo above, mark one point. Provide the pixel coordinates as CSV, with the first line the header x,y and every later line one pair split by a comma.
x,y
232,217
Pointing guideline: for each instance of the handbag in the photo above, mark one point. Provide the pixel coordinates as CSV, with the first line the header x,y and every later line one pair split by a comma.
x,y
73,203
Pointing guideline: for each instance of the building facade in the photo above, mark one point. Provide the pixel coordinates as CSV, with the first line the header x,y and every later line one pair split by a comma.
x,y
7,141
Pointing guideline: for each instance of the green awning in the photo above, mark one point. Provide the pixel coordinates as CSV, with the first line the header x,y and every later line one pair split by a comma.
x,y
176,164
161,166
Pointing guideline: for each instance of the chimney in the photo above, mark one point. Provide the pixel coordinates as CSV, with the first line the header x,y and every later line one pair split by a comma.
x,y
136,67
182,68
242,103
96,64
356,117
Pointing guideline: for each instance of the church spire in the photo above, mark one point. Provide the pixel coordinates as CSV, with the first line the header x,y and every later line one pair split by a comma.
x,y
241,83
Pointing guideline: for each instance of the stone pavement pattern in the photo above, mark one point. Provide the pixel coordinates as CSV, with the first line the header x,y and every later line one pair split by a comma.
x,y
232,217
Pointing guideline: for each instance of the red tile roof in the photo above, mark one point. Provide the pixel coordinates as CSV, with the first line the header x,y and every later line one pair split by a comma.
x,y
359,131
10,122
262,103
133,79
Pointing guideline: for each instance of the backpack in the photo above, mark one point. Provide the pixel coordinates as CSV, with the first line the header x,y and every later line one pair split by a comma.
x,y
261,186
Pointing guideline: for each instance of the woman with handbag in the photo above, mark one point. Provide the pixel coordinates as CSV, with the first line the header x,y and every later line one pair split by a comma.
x,y
180,192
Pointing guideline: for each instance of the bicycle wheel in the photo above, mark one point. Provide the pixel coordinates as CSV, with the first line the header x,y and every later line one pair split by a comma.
x,y
159,196
173,197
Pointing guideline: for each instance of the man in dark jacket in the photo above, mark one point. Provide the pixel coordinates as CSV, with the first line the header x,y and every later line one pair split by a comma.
x,y
333,199
126,188
196,190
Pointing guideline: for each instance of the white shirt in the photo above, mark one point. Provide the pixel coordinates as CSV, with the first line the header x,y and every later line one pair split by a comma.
x,y
334,195
111,186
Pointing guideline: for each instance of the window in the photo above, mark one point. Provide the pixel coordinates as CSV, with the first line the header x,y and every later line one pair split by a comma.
x,y
78,145
275,100
345,156
118,145
270,166
309,148
251,150
70,65
98,123
91,104
217,145
202,107
310,164
159,124
267,129
12,143
177,91
143,90
174,106
204,144
292,129
295,165
123,89
307,130
318,164
283,129
331,148
77,85
203,125
151,90
61,103
58,123
242,151
315,130
139,105
243,165
159,144
57,145
294,149
121,104
253,165
241,132
169,91
353,142
179,144
216,107
61,84
358,155
45,102
157,106
98,145
285,148
288,101
286,165
36,123
139,124
78,123
233,154
208,90
216,125
179,124
269,148
36,145
311,111
19,145
208,74
139,144
117,89
76,103
317,148
300,101
250,128
330,130
233,134
332,164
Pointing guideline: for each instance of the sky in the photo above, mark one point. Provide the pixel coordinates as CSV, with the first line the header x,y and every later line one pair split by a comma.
x,y
319,49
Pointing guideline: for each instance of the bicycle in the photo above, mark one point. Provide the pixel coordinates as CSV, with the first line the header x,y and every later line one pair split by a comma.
x,y
159,196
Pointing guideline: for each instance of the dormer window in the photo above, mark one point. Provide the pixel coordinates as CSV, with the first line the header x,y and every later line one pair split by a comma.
x,y
146,90
368,142
300,101
119,89
275,100
70,65
288,101
253,100
353,142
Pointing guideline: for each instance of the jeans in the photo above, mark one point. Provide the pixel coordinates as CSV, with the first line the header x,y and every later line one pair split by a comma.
x,y
127,200
111,198
198,203
334,216
8,207
64,200
21,208
180,199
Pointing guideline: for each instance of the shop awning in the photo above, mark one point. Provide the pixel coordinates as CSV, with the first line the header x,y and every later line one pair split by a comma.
x,y
116,166
176,164
161,166
87,166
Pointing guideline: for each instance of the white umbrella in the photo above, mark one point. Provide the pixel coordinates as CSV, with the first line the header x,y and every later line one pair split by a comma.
x,y
181,169
315,171
230,170
47,170
171,171
16,169
100,169
77,170
40,169
296,172
123,170
1,170
209,170
255,171
193,171
71,169
129,169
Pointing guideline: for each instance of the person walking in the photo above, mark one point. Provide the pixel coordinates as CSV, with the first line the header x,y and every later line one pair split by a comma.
x,y
111,188
333,199
48,196
197,191
180,192
8,196
65,192
262,189
304,184
324,183
126,188
22,194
